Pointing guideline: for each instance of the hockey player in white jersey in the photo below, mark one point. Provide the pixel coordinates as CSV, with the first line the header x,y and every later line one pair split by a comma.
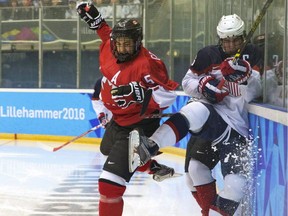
x,y
219,117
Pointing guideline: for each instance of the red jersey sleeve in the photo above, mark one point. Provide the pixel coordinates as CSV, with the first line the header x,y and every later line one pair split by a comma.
x,y
104,32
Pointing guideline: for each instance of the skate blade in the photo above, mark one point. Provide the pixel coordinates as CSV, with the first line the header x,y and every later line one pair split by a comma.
x,y
133,158
160,179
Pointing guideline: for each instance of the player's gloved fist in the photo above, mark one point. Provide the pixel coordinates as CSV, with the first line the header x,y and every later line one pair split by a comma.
x,y
238,71
212,89
103,119
89,13
125,95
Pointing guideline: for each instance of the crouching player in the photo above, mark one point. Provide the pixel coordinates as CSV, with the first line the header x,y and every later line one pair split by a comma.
x,y
218,120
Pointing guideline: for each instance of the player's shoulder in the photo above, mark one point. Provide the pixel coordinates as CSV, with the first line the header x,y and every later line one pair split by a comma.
x,y
149,54
209,55
211,50
148,58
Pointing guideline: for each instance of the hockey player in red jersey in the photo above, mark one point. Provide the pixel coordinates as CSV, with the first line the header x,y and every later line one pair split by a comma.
x,y
217,120
129,70
158,171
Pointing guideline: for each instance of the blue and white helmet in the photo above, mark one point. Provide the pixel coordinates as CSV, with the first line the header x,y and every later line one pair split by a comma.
x,y
230,26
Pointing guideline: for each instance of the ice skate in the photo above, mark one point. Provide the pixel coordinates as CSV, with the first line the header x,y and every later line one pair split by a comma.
x,y
140,148
160,171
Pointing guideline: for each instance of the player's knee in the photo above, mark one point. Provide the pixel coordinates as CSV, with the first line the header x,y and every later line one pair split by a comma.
x,y
110,192
196,114
234,187
199,173
108,176
189,182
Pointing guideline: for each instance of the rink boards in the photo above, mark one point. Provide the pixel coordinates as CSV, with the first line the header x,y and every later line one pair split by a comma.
x,y
68,113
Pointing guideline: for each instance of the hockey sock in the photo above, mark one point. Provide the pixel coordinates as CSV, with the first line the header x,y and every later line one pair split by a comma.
x,y
111,201
195,195
224,206
206,194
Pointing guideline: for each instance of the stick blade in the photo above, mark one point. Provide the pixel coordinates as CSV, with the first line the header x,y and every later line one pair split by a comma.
x,y
45,147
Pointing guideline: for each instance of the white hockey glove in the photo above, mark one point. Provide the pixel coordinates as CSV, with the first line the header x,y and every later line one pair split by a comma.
x,y
212,89
128,94
89,13
237,72
103,114
103,119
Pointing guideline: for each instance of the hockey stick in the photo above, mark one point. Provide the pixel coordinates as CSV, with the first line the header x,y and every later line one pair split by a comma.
x,y
159,115
54,149
252,30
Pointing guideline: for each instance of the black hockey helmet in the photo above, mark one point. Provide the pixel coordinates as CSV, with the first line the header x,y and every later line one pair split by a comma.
x,y
129,28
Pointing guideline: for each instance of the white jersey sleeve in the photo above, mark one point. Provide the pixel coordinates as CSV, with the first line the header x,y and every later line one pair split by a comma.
x,y
253,89
99,107
164,98
190,84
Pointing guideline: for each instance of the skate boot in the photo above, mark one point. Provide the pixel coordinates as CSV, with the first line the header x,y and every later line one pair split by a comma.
x,y
140,149
161,172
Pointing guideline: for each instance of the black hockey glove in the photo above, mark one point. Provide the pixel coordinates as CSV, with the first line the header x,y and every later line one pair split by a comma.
x,y
212,89
89,13
128,94
237,72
